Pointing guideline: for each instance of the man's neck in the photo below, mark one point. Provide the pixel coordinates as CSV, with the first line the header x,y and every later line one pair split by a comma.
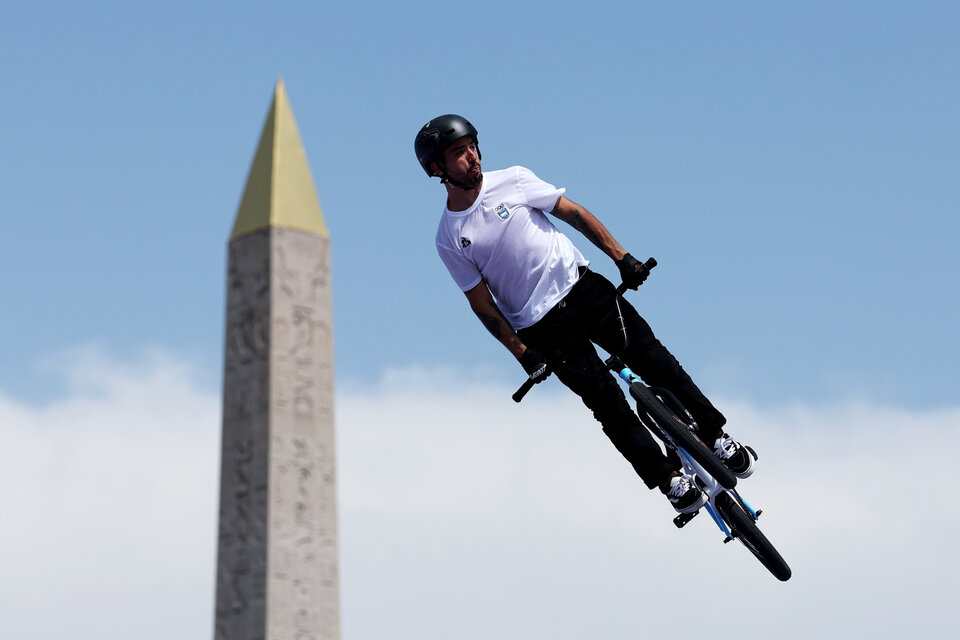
x,y
461,199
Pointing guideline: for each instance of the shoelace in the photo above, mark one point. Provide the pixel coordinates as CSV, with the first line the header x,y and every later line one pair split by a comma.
x,y
725,447
680,487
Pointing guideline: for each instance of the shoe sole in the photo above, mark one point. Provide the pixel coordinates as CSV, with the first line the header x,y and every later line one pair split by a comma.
x,y
746,473
696,506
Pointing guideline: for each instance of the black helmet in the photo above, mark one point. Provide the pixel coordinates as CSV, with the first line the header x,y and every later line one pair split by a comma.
x,y
437,135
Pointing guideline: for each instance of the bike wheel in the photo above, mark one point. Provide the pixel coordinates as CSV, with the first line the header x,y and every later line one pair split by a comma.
x,y
682,435
745,530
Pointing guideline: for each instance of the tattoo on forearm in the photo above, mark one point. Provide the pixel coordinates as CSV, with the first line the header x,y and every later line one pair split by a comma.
x,y
492,323
580,225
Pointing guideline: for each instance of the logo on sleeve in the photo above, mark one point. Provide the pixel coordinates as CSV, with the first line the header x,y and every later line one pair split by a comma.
x,y
502,211
464,243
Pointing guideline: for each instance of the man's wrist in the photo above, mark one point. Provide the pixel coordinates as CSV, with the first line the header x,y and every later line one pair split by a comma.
x,y
534,364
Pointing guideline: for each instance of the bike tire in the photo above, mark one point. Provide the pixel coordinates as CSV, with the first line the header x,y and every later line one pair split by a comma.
x,y
744,529
648,402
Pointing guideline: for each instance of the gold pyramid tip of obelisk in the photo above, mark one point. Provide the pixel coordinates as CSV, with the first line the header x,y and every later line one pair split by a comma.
x,y
279,190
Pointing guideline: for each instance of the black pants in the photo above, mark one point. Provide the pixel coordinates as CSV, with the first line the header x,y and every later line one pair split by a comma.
x,y
565,337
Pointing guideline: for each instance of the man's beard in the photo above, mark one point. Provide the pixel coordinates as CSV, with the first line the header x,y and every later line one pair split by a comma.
x,y
471,180
467,181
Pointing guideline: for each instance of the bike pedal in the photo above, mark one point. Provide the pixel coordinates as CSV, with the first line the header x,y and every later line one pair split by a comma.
x,y
727,540
682,519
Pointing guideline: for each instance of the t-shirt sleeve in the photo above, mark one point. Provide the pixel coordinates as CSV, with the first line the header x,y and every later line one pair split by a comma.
x,y
463,271
538,194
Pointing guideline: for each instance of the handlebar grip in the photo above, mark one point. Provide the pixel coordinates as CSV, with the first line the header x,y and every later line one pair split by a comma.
x,y
522,391
649,264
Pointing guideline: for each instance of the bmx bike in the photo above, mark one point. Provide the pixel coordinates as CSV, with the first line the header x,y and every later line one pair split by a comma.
x,y
665,417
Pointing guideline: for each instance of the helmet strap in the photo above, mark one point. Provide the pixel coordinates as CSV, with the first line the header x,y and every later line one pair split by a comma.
x,y
446,179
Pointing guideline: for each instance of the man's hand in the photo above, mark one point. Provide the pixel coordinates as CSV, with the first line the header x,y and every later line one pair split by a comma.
x,y
535,365
632,271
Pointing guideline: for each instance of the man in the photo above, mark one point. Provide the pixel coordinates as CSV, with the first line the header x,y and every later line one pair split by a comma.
x,y
531,288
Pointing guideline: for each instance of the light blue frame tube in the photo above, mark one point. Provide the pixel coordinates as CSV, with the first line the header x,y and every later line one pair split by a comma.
x,y
712,488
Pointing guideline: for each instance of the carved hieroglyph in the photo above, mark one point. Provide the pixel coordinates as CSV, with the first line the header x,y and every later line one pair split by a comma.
x,y
277,558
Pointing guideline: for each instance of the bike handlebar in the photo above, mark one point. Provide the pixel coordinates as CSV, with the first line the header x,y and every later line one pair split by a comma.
x,y
523,390
528,383
649,264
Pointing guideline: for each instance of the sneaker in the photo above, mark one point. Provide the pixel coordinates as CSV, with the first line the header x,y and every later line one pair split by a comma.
x,y
684,494
738,458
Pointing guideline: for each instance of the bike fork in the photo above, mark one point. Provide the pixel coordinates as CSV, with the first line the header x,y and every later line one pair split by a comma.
x,y
716,518
712,510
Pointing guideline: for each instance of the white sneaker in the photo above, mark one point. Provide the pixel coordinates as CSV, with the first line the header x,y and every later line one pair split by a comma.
x,y
738,458
685,495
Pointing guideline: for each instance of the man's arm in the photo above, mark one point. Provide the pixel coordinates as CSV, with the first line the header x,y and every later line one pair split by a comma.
x,y
632,271
482,303
586,223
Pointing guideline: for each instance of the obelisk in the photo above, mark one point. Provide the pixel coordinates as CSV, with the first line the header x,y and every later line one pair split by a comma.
x,y
277,575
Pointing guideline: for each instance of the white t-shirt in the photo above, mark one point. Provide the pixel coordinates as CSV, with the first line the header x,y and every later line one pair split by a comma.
x,y
506,240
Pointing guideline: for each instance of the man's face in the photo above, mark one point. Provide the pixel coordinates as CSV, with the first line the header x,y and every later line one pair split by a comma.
x,y
462,160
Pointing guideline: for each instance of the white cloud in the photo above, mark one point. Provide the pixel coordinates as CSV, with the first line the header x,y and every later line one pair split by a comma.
x,y
464,515
523,521
106,503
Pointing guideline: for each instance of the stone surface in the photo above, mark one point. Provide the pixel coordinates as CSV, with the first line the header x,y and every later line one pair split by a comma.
x,y
277,573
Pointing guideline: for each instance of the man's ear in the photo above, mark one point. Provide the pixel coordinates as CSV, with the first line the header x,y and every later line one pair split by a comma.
x,y
435,169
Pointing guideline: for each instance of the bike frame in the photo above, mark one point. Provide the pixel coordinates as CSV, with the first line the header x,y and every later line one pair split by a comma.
x,y
708,483
733,515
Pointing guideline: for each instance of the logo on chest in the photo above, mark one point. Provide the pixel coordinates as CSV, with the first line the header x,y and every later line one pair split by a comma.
x,y
502,212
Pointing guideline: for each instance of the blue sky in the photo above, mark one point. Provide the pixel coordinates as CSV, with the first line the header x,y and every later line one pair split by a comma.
x,y
793,167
